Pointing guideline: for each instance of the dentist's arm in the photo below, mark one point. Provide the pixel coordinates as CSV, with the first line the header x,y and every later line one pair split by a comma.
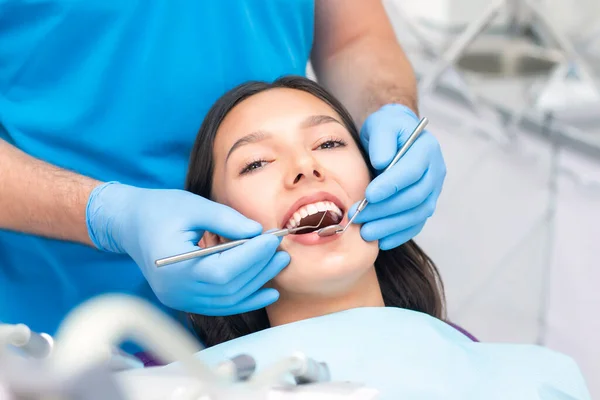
x,y
146,224
358,58
41,199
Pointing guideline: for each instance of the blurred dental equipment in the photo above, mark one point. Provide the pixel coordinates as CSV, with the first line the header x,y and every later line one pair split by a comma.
x,y
335,229
477,27
20,339
229,245
36,345
506,83
83,364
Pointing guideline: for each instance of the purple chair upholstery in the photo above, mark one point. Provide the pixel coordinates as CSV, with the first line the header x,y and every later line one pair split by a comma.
x,y
463,331
148,360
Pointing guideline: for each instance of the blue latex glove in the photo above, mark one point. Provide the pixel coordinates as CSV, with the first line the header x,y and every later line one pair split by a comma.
x,y
403,198
149,224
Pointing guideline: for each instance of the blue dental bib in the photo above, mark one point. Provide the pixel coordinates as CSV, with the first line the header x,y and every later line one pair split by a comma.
x,y
411,355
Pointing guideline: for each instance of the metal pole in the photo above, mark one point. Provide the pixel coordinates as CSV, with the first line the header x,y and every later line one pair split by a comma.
x,y
550,223
459,46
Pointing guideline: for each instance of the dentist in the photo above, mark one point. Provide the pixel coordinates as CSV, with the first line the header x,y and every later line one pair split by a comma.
x,y
100,102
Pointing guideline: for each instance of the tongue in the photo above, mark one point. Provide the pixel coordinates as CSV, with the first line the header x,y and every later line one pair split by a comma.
x,y
330,218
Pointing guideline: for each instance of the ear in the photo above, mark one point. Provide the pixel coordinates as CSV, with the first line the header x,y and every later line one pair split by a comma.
x,y
210,239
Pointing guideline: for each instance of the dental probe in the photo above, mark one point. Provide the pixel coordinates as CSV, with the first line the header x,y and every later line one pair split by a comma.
x,y
334,229
226,246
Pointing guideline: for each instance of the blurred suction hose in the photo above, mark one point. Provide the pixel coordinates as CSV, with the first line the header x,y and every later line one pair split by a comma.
x,y
88,335
36,345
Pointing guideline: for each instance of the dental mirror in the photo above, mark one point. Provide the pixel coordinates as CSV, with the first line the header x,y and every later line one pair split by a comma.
x,y
330,230
335,229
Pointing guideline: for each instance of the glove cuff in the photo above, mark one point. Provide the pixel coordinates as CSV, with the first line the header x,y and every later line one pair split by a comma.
x,y
405,109
97,224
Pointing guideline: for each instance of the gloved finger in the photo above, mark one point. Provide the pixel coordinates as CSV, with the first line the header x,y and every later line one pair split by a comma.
x,y
407,199
407,171
224,267
207,215
383,131
258,300
399,238
279,261
382,139
255,277
381,228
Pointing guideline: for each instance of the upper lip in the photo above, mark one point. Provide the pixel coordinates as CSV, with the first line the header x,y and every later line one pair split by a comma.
x,y
313,198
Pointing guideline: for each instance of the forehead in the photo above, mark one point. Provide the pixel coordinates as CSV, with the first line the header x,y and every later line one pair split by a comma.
x,y
273,110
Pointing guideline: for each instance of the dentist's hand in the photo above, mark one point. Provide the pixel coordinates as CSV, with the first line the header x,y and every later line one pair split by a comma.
x,y
149,224
403,198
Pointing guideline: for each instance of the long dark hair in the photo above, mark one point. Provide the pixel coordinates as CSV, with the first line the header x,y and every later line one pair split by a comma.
x,y
407,276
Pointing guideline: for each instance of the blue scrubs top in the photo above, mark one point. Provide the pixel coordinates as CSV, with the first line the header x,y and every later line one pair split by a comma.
x,y
117,90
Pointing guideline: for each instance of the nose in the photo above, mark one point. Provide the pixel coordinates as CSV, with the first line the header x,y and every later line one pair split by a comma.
x,y
305,169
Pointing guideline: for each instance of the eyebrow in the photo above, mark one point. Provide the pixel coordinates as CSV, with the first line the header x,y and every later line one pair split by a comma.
x,y
315,120
258,136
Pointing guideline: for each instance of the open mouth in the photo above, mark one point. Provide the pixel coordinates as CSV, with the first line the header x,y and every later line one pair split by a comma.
x,y
315,216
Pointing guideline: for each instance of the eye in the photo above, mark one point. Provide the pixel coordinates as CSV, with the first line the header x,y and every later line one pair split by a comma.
x,y
252,166
331,144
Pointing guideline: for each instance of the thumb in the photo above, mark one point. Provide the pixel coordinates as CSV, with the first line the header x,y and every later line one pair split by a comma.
x,y
223,221
382,141
386,129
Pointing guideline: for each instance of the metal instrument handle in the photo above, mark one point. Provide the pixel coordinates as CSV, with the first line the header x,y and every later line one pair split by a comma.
x,y
214,249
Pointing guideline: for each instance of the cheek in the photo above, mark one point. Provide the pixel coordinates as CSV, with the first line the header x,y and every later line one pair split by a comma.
x,y
253,200
356,184
350,171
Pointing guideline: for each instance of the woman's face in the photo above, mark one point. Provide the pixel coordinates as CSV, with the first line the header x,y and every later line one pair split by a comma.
x,y
281,155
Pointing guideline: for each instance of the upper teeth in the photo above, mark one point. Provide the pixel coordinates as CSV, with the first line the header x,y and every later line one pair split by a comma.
x,y
311,209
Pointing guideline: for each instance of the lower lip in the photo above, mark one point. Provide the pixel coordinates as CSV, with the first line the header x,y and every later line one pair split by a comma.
x,y
313,238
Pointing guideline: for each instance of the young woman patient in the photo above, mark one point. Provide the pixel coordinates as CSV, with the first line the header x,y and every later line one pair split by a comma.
x,y
283,153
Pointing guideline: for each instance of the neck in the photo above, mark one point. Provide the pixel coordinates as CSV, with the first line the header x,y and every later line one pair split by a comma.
x,y
295,307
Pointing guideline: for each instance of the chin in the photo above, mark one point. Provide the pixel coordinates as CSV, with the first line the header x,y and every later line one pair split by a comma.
x,y
326,273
